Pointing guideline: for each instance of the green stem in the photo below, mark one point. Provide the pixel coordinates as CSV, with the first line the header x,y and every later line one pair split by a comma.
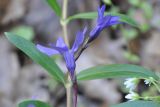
x,y
69,96
158,88
69,91
68,85
63,21
150,98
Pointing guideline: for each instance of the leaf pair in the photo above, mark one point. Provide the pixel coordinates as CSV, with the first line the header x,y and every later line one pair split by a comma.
x,y
105,71
93,73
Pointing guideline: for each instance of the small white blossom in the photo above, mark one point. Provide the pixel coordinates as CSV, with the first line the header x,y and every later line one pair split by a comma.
x,y
132,96
148,81
131,83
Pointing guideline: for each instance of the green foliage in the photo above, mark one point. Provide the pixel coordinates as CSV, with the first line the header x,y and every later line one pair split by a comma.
x,y
131,57
147,12
26,32
93,15
144,27
134,2
138,104
114,71
151,91
36,103
55,6
129,34
147,9
109,2
30,49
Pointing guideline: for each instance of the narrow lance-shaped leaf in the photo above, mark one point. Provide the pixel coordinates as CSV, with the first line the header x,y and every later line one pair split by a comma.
x,y
93,15
114,71
29,48
55,6
33,103
138,104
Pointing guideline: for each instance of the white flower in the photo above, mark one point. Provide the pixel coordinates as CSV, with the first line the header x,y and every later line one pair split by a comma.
x,y
132,96
131,83
148,81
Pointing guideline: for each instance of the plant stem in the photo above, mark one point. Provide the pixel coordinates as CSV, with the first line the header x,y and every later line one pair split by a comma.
x,y
75,90
71,88
158,88
63,21
69,96
69,91
150,98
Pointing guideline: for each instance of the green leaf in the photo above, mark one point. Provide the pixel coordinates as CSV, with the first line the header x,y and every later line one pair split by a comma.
x,y
33,103
93,15
26,32
147,9
144,27
131,57
109,2
116,70
129,34
134,2
138,104
29,48
55,6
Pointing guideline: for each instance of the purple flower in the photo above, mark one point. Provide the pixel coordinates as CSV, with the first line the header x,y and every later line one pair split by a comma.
x,y
103,22
62,48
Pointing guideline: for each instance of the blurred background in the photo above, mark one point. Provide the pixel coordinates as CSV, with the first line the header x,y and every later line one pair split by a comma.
x,y
21,78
